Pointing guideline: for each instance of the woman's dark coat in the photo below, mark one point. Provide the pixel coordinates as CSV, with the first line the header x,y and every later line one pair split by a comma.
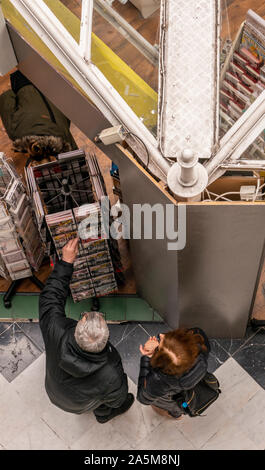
x,y
159,389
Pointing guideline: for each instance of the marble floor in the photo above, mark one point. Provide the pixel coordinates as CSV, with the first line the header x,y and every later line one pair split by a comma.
x,y
29,421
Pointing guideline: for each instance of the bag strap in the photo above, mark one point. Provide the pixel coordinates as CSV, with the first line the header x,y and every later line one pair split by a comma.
x,y
211,381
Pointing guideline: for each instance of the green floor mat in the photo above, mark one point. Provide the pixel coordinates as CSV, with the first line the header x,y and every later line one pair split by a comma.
x,y
115,308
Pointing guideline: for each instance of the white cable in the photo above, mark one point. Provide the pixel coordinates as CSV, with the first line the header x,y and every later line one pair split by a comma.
x,y
262,186
208,194
221,196
225,194
256,193
217,195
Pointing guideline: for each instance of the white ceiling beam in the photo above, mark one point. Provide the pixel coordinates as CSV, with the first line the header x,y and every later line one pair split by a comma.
x,y
86,29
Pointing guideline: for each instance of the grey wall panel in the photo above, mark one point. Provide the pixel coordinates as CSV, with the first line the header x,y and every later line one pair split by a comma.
x,y
155,268
219,266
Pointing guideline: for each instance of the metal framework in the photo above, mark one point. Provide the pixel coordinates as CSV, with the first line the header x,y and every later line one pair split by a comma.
x,y
89,77
188,102
189,72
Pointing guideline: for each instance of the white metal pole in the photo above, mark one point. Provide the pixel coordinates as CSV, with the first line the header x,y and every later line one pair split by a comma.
x,y
86,29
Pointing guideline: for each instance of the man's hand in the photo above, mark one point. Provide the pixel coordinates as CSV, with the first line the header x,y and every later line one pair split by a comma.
x,y
70,251
149,347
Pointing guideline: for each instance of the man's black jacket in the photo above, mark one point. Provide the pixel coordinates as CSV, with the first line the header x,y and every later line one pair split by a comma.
x,y
76,381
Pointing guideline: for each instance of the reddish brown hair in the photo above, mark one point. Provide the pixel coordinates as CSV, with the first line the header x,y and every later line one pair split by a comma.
x,y
178,352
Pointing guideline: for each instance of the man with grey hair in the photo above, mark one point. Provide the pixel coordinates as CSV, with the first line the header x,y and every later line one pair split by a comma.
x,y
83,370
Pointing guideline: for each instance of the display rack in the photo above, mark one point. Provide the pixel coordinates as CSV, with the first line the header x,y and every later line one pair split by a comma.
x,y
243,79
66,193
21,249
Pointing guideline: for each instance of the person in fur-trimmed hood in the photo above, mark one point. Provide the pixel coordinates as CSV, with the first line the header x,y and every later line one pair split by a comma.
x,y
171,363
32,122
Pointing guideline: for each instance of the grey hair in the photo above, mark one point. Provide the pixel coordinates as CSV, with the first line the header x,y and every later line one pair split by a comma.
x,y
92,335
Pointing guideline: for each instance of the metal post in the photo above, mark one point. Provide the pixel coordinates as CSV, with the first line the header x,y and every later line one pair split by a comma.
x,y
187,178
86,29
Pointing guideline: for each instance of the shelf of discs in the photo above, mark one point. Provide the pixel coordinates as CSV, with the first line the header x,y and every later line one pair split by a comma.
x,y
243,79
21,249
65,193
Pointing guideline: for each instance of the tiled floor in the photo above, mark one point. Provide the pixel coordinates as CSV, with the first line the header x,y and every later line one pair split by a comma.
x,y
30,421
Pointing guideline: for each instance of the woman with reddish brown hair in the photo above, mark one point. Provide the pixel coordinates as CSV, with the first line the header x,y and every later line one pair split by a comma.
x,y
175,362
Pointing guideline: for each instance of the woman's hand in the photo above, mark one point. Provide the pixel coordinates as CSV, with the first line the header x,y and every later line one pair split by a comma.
x,y
149,347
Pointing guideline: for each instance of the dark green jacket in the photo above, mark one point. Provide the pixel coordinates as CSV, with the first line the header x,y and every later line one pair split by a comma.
x,y
76,380
27,113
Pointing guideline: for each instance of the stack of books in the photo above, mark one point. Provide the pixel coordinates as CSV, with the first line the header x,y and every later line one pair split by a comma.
x,y
93,269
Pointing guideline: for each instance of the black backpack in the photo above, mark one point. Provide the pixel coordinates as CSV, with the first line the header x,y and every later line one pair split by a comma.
x,y
195,401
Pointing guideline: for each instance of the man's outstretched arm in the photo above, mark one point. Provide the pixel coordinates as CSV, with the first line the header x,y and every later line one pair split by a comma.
x,y
53,296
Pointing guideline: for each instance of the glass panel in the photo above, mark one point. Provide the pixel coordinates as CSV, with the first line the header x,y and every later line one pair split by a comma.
x,y
65,16
126,68
137,83
21,25
148,28
243,76
256,151
139,95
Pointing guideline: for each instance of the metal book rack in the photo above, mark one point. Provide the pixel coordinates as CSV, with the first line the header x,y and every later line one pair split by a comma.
x,y
63,186
10,187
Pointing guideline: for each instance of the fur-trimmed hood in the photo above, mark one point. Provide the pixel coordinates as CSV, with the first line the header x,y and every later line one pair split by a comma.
x,y
41,146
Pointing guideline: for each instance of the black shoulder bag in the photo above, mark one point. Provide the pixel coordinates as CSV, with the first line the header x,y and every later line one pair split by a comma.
x,y
195,401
